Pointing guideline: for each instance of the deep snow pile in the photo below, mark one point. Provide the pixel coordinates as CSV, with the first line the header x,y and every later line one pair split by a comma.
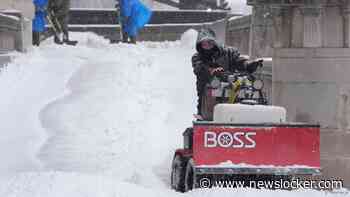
x,y
99,120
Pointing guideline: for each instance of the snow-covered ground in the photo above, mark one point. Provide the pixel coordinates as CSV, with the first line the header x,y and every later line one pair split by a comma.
x,y
100,120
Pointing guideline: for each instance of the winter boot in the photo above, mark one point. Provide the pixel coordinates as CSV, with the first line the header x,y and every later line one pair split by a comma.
x,y
67,41
132,40
58,40
125,37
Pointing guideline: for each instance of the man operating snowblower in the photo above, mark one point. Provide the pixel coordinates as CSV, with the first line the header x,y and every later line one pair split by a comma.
x,y
212,58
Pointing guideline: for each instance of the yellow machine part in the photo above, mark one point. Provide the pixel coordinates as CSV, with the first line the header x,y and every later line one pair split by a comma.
x,y
234,91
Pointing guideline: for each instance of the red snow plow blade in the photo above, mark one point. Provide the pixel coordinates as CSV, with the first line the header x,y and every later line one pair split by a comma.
x,y
279,149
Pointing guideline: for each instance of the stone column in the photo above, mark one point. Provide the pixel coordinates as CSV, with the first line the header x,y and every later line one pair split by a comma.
x,y
312,26
281,26
255,29
346,20
259,43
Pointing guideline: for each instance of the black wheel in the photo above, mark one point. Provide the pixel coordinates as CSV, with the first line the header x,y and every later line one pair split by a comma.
x,y
189,176
178,172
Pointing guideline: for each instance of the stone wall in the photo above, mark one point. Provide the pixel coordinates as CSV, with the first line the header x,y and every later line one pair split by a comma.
x,y
252,44
309,44
257,43
110,17
10,37
311,59
164,25
9,28
238,33
158,33
24,10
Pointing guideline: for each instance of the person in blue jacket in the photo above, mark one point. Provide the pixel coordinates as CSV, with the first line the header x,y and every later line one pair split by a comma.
x,y
39,20
134,15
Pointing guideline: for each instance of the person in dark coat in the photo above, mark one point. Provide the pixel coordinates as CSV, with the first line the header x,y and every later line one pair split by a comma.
x,y
211,57
58,11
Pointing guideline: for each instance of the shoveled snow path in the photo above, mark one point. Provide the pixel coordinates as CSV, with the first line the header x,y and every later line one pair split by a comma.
x,y
110,129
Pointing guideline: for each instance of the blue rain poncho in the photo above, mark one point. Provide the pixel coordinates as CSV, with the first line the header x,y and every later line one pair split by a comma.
x,y
40,15
134,16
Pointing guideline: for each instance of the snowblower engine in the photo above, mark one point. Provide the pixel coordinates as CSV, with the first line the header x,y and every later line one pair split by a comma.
x,y
232,87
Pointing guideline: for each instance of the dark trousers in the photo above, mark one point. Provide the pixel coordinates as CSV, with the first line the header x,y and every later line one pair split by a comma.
x,y
60,9
129,39
36,38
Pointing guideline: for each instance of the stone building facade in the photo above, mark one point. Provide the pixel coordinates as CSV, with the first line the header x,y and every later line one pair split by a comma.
x,y
311,62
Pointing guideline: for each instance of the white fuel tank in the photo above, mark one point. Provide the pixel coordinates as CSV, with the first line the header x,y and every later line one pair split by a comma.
x,y
240,113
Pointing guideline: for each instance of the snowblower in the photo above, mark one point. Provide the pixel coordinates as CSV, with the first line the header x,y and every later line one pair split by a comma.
x,y
242,138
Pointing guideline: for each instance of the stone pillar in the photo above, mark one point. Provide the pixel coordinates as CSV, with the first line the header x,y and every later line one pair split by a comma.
x,y
312,27
297,40
346,21
261,25
281,26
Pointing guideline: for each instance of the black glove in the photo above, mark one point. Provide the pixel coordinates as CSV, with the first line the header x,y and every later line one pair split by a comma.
x,y
253,66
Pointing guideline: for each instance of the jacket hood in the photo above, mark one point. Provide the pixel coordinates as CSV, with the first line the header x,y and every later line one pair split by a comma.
x,y
206,34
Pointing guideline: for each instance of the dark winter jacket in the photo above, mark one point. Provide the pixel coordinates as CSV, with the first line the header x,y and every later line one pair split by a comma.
x,y
60,7
220,56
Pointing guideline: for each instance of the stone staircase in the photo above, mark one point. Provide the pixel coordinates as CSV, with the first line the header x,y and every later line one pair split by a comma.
x,y
164,25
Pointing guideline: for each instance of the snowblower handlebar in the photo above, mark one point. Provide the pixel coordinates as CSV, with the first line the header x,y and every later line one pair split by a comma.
x,y
223,74
227,76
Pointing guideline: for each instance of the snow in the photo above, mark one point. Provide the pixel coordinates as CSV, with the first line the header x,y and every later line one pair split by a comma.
x,y
239,113
239,7
235,17
188,38
162,6
10,10
10,17
99,120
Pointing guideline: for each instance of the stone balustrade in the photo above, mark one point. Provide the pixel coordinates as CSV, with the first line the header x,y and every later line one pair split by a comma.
x,y
16,24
